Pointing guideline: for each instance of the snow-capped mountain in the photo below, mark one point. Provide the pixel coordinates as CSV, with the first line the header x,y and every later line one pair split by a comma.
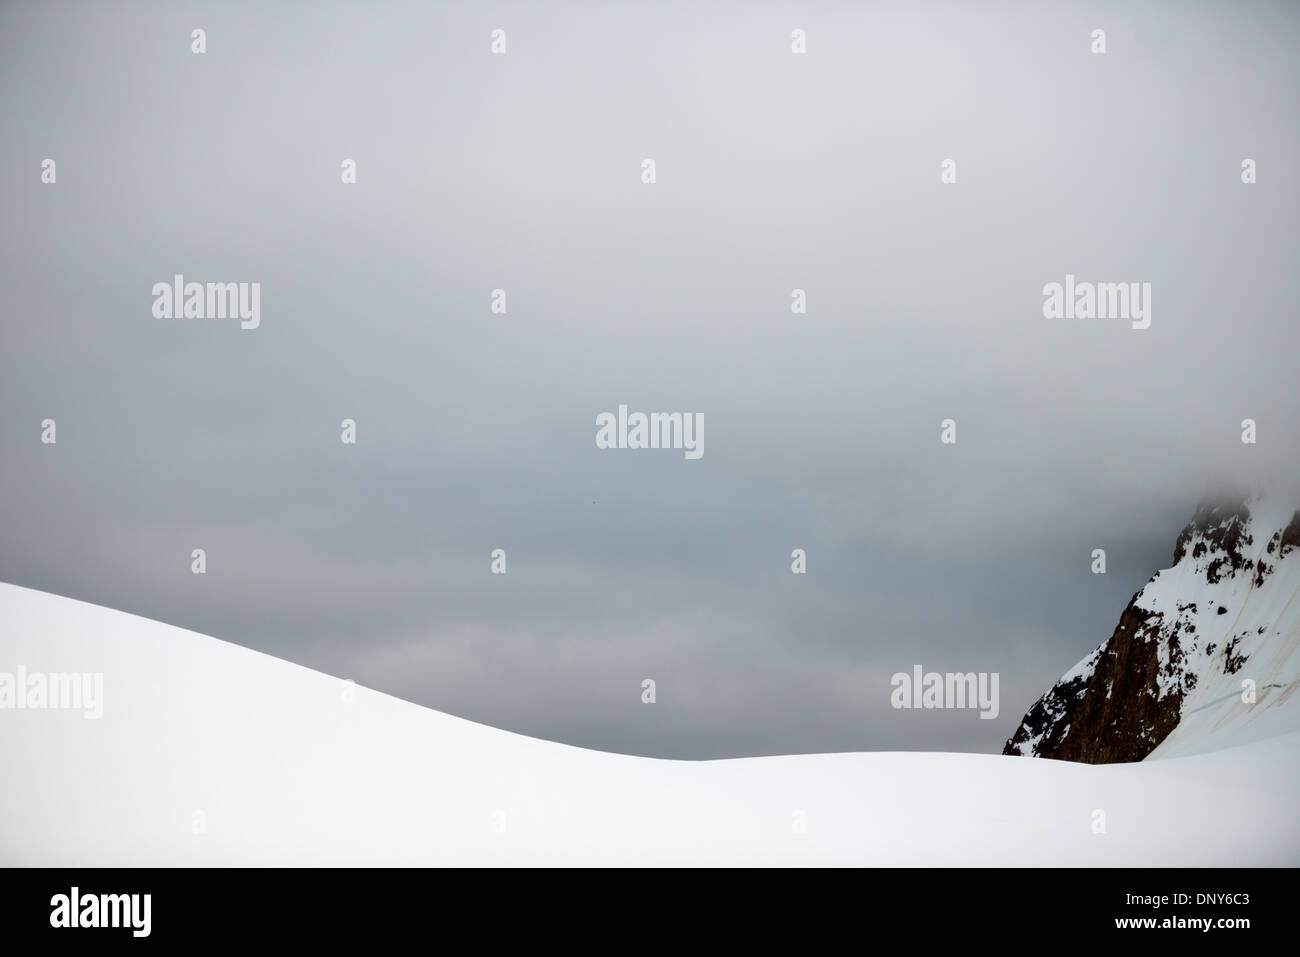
x,y
1205,656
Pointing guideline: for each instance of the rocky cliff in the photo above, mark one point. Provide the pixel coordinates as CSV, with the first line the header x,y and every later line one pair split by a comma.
x,y
1213,641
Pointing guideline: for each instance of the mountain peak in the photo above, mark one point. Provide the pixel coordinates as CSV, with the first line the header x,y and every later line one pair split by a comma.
x,y
1215,636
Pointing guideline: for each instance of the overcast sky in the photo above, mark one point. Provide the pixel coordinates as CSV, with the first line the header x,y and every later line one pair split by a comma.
x,y
476,431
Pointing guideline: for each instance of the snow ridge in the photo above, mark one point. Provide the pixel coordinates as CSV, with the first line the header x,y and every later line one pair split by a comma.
x,y
211,754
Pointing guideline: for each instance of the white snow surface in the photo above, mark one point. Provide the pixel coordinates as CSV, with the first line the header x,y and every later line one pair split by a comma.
x,y
282,770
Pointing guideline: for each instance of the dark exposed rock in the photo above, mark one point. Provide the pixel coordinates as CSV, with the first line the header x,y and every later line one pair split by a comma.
x,y
1290,536
1221,527
1232,662
1112,714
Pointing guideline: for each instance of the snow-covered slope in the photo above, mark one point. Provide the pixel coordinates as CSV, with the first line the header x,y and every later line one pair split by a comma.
x,y
210,753
1207,654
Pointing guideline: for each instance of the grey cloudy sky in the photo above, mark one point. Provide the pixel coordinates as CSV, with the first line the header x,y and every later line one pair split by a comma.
x,y
475,431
